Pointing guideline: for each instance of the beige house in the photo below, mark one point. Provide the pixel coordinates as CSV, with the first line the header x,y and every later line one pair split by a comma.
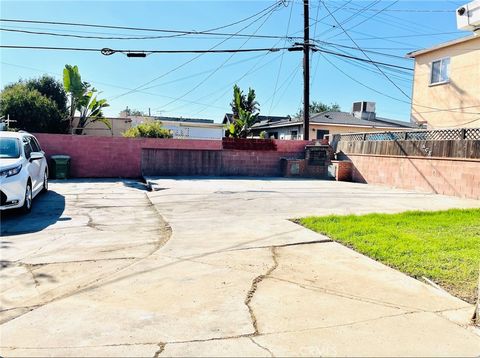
x,y
182,128
446,87
362,119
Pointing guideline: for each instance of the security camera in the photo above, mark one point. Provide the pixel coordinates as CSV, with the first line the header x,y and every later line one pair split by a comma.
x,y
461,11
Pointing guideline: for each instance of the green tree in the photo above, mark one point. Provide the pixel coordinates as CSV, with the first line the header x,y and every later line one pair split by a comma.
x,y
50,88
83,98
247,102
319,107
245,110
148,130
31,110
132,112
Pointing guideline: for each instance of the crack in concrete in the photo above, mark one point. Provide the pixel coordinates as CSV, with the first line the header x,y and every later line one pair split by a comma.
x,y
261,347
161,348
284,245
254,287
165,232
29,268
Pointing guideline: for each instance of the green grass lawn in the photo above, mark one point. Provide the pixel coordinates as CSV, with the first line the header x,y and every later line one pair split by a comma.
x,y
443,246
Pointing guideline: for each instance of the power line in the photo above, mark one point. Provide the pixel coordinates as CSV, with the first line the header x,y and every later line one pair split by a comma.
x,y
273,49
346,33
369,60
281,60
316,21
455,110
220,35
103,83
219,67
407,36
209,32
228,87
406,10
188,61
353,16
370,17
355,48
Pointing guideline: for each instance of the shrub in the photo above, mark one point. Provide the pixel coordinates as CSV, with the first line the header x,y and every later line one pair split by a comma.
x,y
31,110
148,130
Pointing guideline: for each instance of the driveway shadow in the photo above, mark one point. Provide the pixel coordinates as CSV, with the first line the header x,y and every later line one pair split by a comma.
x,y
47,210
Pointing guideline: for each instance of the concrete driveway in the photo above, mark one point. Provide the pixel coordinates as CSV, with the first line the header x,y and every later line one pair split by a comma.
x,y
214,267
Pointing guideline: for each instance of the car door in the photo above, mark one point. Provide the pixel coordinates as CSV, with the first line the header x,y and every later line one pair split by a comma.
x,y
33,167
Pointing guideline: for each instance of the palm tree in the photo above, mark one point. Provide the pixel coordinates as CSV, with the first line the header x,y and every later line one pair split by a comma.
x,y
245,112
83,99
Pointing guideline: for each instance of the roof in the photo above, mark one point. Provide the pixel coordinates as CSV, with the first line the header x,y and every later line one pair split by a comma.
x,y
181,119
338,118
416,53
9,134
261,119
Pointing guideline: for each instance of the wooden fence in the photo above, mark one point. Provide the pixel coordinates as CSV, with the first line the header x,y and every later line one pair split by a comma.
x,y
448,143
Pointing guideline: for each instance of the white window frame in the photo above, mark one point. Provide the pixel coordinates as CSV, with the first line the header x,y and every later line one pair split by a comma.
x,y
448,74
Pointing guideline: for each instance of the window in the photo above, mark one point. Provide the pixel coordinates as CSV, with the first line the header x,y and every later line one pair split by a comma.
x,y
321,133
440,71
27,148
34,145
294,134
9,148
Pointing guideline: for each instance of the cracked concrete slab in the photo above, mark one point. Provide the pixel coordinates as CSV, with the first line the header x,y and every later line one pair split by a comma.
x,y
214,267
336,270
421,334
130,350
234,347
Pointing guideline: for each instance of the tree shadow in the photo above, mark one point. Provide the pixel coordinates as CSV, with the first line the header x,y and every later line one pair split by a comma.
x,y
47,210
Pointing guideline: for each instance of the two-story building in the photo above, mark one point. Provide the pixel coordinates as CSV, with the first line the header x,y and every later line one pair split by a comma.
x,y
446,86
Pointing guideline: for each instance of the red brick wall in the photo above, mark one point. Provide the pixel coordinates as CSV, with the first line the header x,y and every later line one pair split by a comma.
x,y
121,157
458,177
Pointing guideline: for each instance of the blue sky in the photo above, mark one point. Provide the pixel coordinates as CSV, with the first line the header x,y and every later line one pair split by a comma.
x,y
202,88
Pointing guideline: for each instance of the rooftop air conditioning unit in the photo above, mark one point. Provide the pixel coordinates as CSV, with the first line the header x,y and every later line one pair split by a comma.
x,y
363,107
364,110
468,16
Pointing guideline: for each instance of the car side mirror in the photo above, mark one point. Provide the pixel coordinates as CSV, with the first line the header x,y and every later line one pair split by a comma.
x,y
36,156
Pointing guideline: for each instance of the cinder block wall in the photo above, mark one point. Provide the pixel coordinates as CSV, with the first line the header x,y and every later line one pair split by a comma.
x,y
104,157
448,176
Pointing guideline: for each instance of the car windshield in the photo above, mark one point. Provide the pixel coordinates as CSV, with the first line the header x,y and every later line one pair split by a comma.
x,y
9,148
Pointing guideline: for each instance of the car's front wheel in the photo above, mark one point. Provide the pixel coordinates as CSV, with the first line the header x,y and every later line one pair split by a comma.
x,y
27,204
45,182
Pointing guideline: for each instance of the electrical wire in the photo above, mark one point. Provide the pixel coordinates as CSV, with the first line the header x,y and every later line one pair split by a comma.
x,y
228,87
209,32
59,75
182,64
273,49
355,48
369,60
406,10
346,33
352,17
221,65
394,98
281,60
368,18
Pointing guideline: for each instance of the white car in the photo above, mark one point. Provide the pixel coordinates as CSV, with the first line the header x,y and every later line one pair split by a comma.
x,y
23,170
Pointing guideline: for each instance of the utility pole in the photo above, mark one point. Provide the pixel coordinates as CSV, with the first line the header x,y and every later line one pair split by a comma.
x,y
306,72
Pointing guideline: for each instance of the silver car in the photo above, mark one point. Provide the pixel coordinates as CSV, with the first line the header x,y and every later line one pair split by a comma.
x,y
23,170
